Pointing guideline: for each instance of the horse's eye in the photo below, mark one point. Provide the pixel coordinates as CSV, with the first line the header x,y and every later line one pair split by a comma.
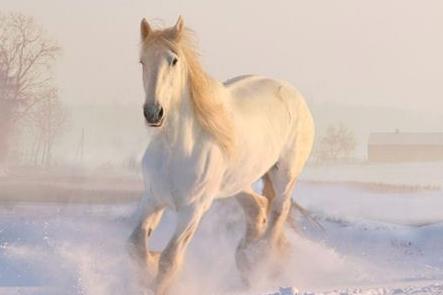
x,y
174,61
141,62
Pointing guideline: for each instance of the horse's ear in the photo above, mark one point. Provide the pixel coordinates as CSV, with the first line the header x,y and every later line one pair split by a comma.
x,y
179,27
145,29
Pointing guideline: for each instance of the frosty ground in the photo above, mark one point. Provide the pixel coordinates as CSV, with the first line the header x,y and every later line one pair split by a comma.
x,y
376,239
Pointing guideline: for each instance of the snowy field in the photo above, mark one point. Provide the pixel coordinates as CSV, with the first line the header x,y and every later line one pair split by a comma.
x,y
372,242
408,175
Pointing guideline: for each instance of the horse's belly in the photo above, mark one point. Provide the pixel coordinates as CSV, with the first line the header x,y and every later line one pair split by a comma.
x,y
247,170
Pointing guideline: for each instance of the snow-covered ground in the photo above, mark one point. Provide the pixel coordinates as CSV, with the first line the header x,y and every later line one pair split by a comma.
x,y
372,243
427,175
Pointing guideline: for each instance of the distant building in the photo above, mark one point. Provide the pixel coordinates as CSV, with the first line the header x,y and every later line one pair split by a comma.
x,y
405,147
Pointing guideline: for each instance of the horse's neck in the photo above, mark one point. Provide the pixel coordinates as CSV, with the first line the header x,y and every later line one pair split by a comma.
x,y
182,130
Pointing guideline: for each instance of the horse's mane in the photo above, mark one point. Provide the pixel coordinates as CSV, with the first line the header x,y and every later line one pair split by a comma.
x,y
208,106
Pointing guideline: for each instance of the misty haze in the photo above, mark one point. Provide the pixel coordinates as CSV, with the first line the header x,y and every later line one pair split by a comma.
x,y
84,142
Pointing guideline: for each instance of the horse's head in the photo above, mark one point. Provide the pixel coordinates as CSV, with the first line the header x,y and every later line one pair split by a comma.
x,y
163,70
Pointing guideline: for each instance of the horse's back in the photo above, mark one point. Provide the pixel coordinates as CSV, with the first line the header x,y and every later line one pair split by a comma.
x,y
268,115
233,80
244,86
258,95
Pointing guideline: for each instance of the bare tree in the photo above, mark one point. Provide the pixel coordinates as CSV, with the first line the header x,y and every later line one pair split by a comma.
x,y
48,120
26,57
338,142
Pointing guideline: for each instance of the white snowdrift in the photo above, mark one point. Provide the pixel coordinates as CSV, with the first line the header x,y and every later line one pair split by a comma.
x,y
372,243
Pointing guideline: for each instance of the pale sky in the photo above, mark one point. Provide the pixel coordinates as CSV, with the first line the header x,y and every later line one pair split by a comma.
x,y
379,52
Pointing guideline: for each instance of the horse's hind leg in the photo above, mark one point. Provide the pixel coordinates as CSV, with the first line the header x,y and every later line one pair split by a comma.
x,y
283,183
148,219
284,173
255,209
268,189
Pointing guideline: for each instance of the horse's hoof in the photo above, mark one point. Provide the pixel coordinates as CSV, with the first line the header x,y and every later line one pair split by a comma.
x,y
242,285
250,258
283,246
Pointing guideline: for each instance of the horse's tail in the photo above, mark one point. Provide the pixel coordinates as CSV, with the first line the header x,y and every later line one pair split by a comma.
x,y
295,207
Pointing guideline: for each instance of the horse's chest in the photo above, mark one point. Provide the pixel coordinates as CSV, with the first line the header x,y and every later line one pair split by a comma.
x,y
176,178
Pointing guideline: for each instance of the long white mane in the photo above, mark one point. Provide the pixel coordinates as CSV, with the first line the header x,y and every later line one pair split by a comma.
x,y
205,93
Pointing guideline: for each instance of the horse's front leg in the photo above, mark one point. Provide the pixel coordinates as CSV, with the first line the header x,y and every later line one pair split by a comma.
x,y
148,218
171,258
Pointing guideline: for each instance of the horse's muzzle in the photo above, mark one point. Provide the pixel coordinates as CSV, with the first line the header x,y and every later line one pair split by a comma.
x,y
154,114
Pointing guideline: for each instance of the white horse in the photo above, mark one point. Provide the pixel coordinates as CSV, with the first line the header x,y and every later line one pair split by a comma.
x,y
214,140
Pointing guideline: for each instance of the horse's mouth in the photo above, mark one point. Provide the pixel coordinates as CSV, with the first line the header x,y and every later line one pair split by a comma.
x,y
156,124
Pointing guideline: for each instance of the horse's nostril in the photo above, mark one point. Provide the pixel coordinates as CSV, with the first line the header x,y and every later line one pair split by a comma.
x,y
160,113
